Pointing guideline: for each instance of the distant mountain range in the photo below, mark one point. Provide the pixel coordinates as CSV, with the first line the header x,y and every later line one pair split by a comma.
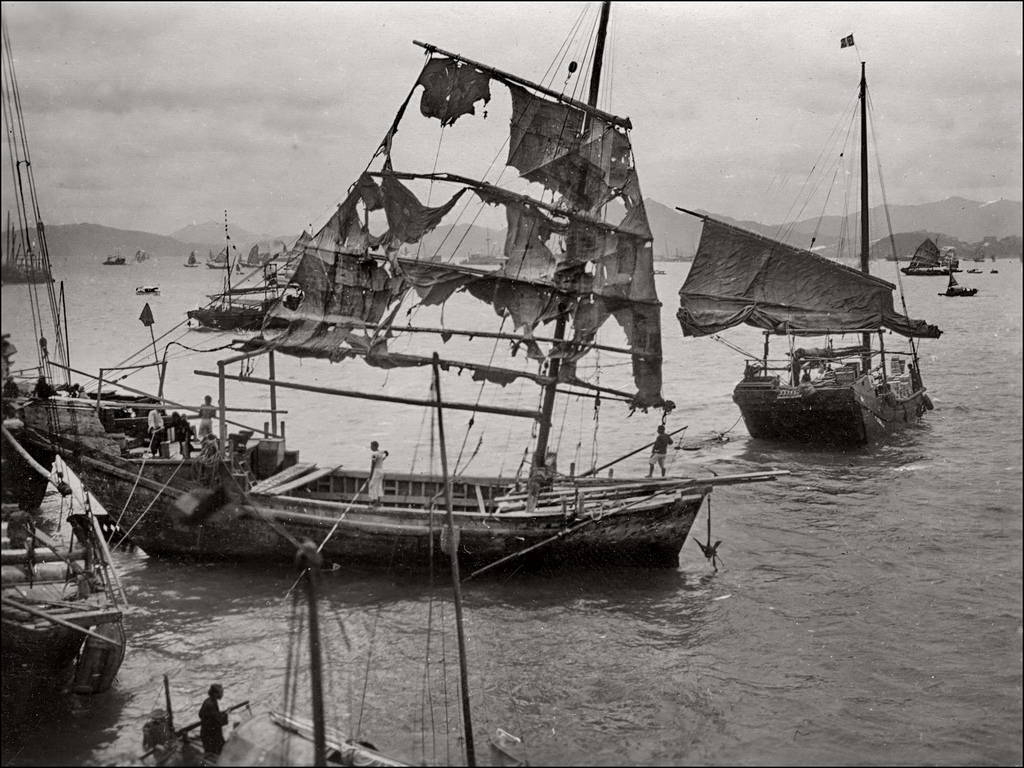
x,y
955,221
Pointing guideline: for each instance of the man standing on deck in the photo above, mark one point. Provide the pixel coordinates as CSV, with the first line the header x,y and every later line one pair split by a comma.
x,y
661,444
156,429
206,413
212,720
375,483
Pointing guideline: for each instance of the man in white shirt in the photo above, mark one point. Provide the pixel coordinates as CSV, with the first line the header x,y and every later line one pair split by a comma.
x,y
156,430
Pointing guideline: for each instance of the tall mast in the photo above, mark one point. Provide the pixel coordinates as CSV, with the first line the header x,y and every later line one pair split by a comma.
x,y
548,405
865,231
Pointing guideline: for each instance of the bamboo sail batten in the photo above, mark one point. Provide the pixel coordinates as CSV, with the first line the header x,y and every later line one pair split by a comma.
x,y
535,415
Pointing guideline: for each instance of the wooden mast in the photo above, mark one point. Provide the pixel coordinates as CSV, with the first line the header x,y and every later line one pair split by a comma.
x,y
865,230
453,539
548,404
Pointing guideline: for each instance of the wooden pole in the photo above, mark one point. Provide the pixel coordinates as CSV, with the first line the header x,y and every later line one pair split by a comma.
x,y
273,394
167,698
631,453
366,396
311,561
456,586
222,394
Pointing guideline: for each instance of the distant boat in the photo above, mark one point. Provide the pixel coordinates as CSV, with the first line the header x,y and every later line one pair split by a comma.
x,y
973,271
22,264
255,258
240,309
146,290
141,256
955,289
220,261
192,260
115,260
927,262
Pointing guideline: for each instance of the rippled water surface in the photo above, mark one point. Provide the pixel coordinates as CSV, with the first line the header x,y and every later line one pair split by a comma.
x,y
867,609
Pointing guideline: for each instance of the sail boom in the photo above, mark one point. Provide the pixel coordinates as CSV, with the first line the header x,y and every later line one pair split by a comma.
x,y
622,122
535,415
508,336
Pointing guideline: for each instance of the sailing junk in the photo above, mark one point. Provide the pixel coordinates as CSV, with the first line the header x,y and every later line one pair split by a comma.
x,y
927,261
565,262
739,277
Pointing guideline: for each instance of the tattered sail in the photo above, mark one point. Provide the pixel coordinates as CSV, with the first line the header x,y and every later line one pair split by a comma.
x,y
560,258
926,255
740,277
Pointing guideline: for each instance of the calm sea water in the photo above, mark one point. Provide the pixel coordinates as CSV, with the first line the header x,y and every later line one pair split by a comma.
x,y
868,608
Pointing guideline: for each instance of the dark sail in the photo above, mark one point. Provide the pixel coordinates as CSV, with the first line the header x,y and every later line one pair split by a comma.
x,y
926,255
740,277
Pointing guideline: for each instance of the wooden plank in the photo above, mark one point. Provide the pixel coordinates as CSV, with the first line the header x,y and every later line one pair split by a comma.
x,y
277,490
283,476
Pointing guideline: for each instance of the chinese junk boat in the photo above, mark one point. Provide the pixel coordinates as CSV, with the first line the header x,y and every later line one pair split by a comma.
x,y
61,600
220,261
115,260
240,308
566,264
955,289
192,260
847,395
928,262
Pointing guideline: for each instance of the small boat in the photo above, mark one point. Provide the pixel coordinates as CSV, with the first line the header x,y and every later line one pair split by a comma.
x,y
929,262
141,256
147,290
955,289
192,260
973,271
994,272
115,260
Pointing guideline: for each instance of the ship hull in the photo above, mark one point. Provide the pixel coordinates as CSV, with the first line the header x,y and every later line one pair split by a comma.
x,y
854,414
626,523
928,271
232,319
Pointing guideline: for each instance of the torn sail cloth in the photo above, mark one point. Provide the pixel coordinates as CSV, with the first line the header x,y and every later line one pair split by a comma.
x,y
408,219
547,145
451,88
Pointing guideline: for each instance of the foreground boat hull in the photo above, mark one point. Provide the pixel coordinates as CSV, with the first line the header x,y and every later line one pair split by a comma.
x,y
248,528
851,415
621,523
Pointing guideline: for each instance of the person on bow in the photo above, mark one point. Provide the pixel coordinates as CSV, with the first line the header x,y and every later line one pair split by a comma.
x,y
659,451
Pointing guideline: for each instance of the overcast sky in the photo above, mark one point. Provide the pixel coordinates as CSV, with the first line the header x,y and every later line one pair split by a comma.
x,y
153,116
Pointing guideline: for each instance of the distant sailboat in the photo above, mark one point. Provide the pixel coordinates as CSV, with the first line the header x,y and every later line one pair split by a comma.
x,y
220,261
928,262
192,260
955,289
141,256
